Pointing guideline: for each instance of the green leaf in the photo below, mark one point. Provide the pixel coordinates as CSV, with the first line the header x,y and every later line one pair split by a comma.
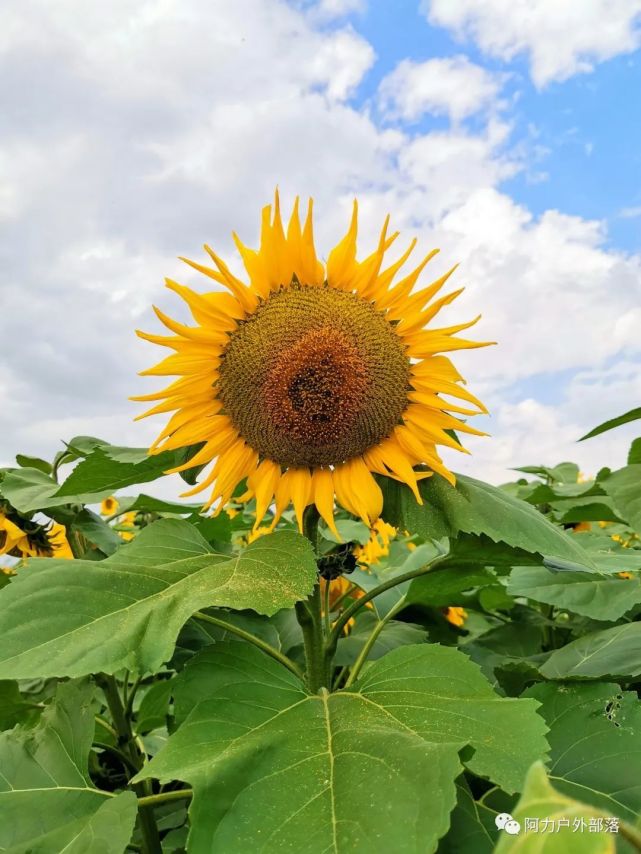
x,y
474,507
602,597
47,801
281,631
149,504
343,771
587,509
592,729
611,652
394,634
33,463
154,706
566,473
95,529
540,801
109,468
624,488
632,415
634,454
31,489
507,646
443,587
214,528
14,708
472,829
69,618
472,550
82,446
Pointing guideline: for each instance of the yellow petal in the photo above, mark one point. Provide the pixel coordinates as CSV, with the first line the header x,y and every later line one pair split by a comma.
x,y
341,262
357,490
264,483
301,491
323,495
397,462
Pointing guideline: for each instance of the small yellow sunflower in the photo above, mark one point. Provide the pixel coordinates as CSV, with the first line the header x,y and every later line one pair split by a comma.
x,y
311,378
109,506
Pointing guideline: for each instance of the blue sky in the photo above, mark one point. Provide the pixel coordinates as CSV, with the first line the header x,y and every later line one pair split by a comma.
x,y
507,133
588,127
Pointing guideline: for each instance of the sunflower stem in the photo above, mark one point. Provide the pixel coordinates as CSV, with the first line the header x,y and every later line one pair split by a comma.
x,y
310,618
128,746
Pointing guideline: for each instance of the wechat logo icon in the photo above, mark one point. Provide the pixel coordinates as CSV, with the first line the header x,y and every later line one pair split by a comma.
x,y
504,821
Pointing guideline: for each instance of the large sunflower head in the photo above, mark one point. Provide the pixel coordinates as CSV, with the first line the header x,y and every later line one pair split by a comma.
x,y
310,378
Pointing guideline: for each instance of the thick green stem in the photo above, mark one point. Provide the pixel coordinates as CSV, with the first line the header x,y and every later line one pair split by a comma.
x,y
371,640
253,639
310,618
311,622
127,744
348,613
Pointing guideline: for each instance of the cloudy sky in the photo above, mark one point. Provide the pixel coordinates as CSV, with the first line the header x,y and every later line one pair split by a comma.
x,y
506,132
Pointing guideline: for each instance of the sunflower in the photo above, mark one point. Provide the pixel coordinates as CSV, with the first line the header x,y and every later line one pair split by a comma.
x,y
49,541
109,506
311,378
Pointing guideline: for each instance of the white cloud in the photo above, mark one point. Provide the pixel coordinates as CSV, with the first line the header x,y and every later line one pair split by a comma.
x,y
329,9
136,132
451,86
551,294
528,432
560,37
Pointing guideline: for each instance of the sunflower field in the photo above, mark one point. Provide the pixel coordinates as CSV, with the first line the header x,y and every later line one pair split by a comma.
x,y
341,646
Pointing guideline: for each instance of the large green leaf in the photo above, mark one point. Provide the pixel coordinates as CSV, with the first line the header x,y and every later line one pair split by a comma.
x,y
474,507
595,744
602,597
611,652
69,618
624,488
47,801
277,769
109,468
31,489
632,415
552,823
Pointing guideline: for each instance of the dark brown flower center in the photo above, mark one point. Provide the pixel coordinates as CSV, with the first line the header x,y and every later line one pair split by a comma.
x,y
314,377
